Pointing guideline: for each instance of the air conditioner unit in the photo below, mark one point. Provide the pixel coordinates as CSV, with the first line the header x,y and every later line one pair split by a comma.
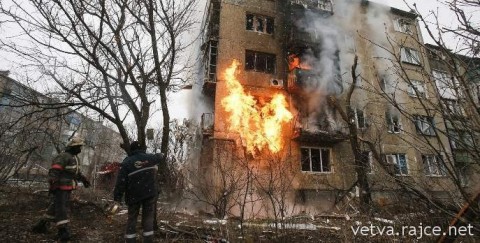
x,y
276,83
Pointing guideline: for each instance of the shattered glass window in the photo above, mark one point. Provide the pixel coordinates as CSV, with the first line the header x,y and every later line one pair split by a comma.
x,y
259,23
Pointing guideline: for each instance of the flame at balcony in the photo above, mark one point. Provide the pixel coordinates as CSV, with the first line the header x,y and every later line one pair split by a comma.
x,y
295,62
259,126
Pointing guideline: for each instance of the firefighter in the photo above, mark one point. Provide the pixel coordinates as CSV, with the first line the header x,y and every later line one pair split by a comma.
x,y
62,177
137,182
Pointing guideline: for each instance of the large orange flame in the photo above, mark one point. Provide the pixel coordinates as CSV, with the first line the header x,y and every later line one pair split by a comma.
x,y
259,126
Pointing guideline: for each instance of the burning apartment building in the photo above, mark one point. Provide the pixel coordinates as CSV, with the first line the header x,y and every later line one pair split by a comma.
x,y
273,143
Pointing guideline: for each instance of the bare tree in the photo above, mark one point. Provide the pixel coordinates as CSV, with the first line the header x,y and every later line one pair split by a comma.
x,y
111,57
439,117
220,182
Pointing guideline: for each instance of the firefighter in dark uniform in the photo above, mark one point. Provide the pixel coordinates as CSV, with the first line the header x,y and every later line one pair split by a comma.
x,y
62,177
137,181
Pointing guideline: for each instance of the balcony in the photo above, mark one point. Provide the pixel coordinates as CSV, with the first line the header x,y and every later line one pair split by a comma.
x,y
327,132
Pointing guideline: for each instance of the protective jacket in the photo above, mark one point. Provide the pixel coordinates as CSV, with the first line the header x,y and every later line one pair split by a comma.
x,y
137,178
65,172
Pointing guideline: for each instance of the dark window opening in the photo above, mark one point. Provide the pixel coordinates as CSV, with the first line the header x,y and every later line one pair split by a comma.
x,y
260,62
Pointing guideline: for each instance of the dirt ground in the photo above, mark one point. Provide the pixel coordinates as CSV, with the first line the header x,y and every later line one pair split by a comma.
x,y
21,207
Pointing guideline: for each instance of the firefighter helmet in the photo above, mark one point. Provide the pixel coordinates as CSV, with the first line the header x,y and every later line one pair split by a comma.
x,y
75,141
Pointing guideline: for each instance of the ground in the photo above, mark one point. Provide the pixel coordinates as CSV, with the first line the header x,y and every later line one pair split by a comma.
x,y
21,207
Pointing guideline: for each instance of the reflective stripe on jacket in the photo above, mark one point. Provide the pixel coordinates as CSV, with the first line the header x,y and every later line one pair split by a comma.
x,y
137,178
64,172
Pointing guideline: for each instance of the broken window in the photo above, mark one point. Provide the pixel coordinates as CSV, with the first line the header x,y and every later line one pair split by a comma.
x,y
315,159
409,55
393,122
259,23
416,88
424,125
403,25
400,163
433,165
260,62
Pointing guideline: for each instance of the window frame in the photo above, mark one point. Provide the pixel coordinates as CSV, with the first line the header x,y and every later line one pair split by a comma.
x,y
420,121
267,22
446,85
356,112
453,107
413,89
410,56
433,163
463,138
385,85
391,124
396,156
369,156
403,25
321,171
257,55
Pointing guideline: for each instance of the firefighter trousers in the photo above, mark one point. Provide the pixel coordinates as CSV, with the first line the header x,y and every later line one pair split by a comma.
x,y
148,213
59,206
